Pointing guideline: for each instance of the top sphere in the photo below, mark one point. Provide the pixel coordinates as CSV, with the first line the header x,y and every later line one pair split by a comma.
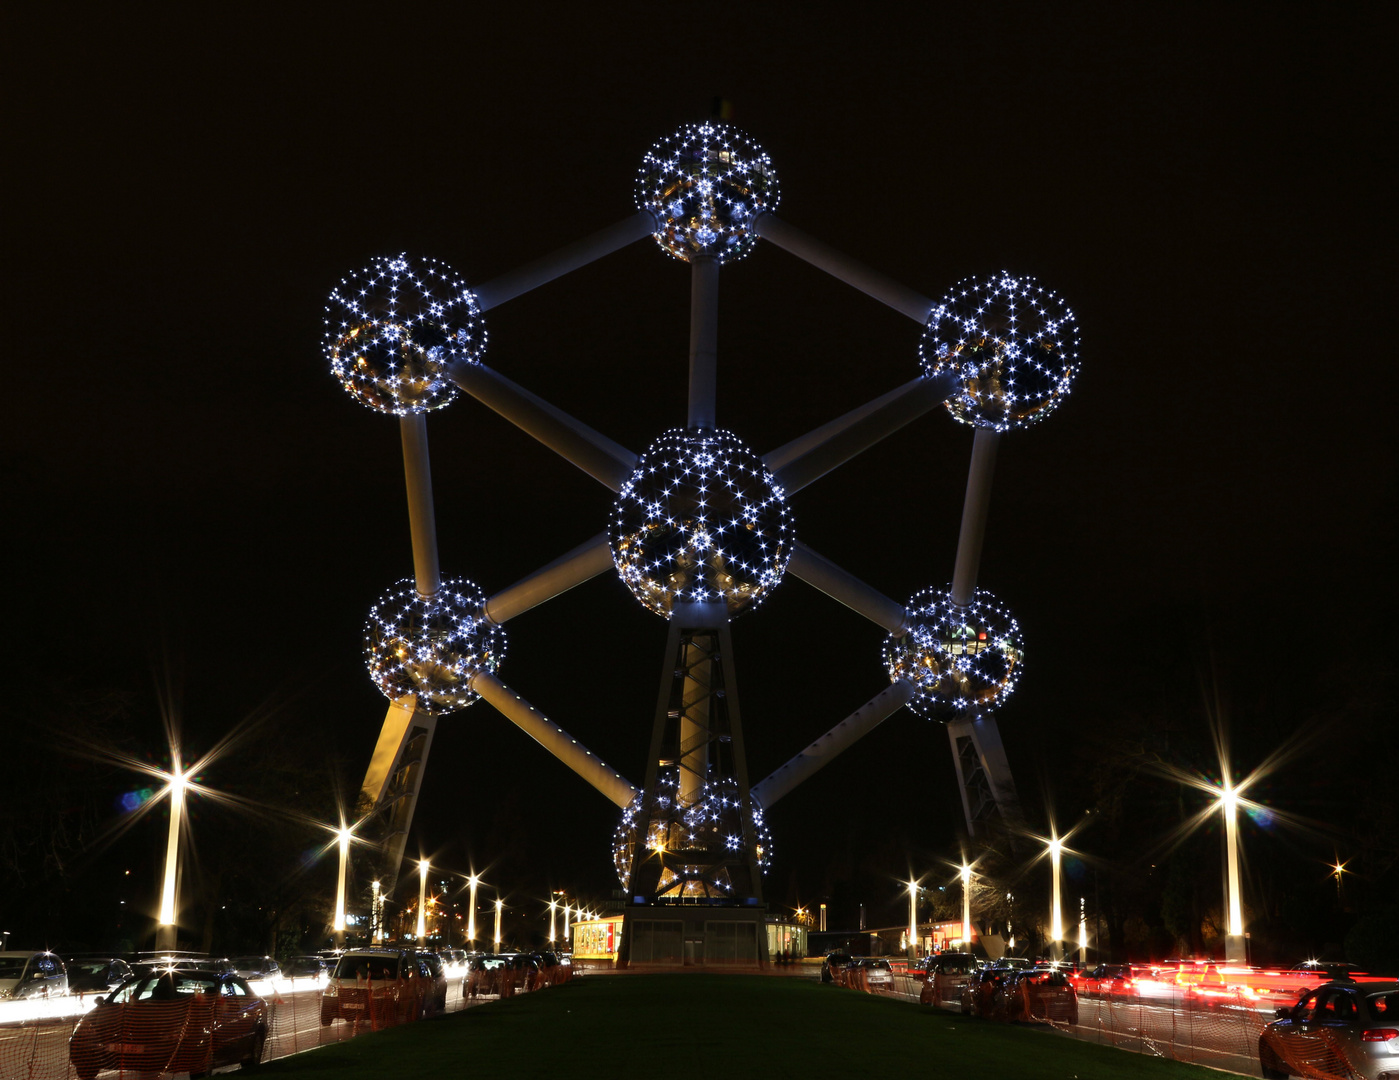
x,y
393,329
1013,345
700,520
706,184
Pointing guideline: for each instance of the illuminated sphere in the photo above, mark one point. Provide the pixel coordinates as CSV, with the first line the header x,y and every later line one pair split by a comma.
x,y
431,646
701,519
706,184
713,823
393,329
1013,345
963,662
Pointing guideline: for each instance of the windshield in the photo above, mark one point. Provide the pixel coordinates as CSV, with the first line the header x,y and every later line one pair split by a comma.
x,y
367,967
170,986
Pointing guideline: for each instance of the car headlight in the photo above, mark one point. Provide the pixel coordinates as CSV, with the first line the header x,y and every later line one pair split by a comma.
x,y
332,990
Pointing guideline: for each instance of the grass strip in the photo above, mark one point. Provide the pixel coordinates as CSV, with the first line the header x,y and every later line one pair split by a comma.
x,y
736,1026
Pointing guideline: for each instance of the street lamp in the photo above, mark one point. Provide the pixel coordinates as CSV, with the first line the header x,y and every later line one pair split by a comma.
x,y
1234,950
912,919
376,915
343,835
1056,914
472,881
499,904
422,899
966,907
167,930
553,911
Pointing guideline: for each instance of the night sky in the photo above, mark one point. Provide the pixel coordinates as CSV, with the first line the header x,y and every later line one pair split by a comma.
x,y
184,479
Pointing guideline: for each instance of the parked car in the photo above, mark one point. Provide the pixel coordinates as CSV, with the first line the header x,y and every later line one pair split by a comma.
x,y
173,1021
1338,1029
980,992
1041,993
946,974
32,975
255,967
873,972
1109,980
382,986
306,967
88,975
832,963
433,971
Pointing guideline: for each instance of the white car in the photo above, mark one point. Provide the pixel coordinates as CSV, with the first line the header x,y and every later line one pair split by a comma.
x,y
32,975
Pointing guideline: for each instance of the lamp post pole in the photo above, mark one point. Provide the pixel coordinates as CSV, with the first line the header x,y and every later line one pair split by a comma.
x,y
472,881
1235,950
167,930
1056,913
343,837
499,904
966,907
422,900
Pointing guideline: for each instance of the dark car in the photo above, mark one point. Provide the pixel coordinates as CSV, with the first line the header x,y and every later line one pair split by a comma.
x,y
1041,993
95,975
833,962
173,1021
434,972
306,967
946,974
1338,1029
982,992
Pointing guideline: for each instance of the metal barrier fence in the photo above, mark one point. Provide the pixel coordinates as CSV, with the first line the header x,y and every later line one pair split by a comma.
x,y
71,1038
1220,1030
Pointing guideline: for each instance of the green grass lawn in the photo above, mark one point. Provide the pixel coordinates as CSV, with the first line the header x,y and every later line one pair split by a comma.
x,y
621,1027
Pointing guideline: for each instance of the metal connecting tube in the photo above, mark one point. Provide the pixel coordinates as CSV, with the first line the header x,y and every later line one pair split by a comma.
x,y
554,739
839,739
974,511
583,563
841,585
854,273
704,339
604,460
422,519
567,259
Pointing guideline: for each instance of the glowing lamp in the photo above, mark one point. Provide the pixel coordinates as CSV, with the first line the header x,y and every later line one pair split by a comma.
x,y
1013,345
700,520
393,329
705,184
431,646
963,662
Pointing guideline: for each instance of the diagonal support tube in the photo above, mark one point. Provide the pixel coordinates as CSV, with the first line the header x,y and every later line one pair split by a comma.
x,y
554,739
839,739
583,563
974,510
785,454
604,460
874,422
422,520
567,259
839,265
841,585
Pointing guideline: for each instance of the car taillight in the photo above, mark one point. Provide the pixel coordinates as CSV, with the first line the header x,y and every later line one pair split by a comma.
x,y
1379,1034
1127,984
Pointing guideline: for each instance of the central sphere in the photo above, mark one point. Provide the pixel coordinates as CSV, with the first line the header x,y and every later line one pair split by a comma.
x,y
706,184
700,520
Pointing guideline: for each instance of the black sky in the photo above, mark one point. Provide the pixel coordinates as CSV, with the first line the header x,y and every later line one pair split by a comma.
x,y
1207,185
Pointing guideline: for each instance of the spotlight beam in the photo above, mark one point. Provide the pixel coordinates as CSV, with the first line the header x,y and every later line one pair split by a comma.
x,y
554,739
845,588
835,742
422,520
583,563
850,440
854,273
604,460
565,260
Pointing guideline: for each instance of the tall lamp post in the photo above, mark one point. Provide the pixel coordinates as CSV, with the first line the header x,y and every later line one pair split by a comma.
x,y
167,930
472,881
342,835
499,904
966,907
912,920
1056,913
422,899
1235,950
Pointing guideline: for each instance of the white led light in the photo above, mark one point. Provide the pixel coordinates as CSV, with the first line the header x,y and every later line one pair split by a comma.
x,y
1012,343
393,329
705,184
431,646
700,520
963,662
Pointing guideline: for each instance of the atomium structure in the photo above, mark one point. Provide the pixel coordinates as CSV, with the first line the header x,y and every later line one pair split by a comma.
x,y
701,531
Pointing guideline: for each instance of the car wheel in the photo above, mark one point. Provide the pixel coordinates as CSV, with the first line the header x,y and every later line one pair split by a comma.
x,y
254,1058
1269,1063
